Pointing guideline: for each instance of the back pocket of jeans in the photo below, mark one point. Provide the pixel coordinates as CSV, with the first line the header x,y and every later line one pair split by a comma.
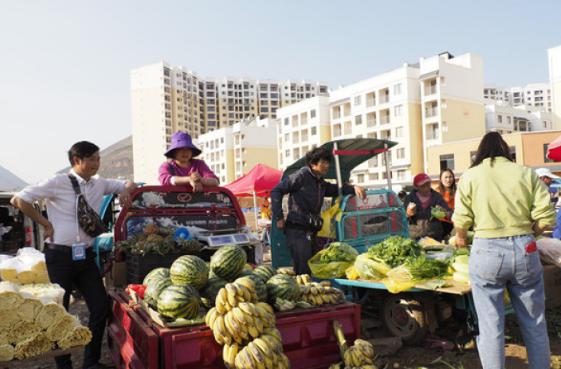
x,y
533,263
485,263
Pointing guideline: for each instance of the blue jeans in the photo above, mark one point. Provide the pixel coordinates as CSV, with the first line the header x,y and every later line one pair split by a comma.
x,y
497,264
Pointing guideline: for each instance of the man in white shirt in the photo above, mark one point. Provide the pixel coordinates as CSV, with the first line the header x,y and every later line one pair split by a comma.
x,y
66,265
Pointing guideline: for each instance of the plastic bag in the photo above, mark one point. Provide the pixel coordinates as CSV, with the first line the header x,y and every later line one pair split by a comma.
x,y
334,269
370,269
550,250
332,261
399,279
26,268
329,216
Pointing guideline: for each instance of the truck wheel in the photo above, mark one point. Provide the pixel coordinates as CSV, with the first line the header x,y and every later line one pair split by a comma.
x,y
406,318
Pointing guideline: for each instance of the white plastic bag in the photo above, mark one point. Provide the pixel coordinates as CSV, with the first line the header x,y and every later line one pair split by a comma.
x,y
550,250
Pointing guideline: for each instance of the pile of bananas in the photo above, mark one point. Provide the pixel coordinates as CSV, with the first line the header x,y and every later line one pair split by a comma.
x,y
358,356
246,328
318,294
285,305
242,290
287,271
263,352
304,279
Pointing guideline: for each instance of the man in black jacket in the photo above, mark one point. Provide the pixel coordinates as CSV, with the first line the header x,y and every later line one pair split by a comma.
x,y
307,189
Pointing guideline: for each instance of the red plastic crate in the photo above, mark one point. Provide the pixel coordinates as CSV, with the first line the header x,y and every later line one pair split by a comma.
x,y
308,339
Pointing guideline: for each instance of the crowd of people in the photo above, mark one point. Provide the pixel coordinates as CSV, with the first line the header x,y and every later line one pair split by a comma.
x,y
505,204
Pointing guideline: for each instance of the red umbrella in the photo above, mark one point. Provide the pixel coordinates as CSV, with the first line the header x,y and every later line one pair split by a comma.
x,y
554,149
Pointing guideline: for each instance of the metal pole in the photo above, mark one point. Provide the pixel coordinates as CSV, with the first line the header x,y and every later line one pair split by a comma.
x,y
338,171
388,171
255,210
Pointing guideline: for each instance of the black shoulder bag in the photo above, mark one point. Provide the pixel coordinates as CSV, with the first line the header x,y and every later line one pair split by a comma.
x,y
88,219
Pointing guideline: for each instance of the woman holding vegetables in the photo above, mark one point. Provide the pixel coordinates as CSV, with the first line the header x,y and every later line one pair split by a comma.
x,y
447,188
425,208
507,205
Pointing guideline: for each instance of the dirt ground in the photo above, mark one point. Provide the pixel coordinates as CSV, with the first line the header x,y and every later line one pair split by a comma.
x,y
406,357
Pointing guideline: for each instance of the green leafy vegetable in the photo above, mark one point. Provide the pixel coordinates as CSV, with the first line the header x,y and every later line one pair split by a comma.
x,y
394,251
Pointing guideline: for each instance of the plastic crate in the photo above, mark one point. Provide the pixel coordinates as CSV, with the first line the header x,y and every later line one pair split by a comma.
x,y
138,266
307,335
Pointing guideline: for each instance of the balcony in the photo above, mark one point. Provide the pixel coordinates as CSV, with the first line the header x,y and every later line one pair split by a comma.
x,y
431,112
384,96
430,90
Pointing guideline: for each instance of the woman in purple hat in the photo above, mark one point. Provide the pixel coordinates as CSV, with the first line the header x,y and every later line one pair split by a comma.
x,y
182,169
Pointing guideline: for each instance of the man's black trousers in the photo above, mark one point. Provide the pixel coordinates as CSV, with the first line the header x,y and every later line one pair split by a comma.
x,y
85,276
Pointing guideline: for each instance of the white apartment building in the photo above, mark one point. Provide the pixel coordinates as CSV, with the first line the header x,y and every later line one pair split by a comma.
x,y
386,106
554,62
505,118
302,126
438,100
233,151
168,98
535,95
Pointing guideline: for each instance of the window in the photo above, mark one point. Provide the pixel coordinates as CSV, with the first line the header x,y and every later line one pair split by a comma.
x,y
508,120
286,137
447,162
397,89
499,118
357,100
397,110
400,153
286,122
360,178
545,158
358,120
399,132
373,176
313,113
313,131
512,150
287,153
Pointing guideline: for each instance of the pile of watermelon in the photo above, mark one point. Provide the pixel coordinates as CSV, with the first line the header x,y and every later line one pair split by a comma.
x,y
191,284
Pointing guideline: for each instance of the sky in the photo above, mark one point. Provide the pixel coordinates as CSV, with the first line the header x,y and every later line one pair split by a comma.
x,y
65,65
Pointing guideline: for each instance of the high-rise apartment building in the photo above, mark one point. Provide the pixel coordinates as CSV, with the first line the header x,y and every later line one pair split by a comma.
x,y
168,98
438,100
505,118
535,95
233,151
302,127
554,61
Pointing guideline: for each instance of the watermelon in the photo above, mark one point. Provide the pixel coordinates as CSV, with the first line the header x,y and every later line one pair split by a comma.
x,y
189,270
228,262
264,272
208,295
179,302
284,287
260,287
154,289
154,274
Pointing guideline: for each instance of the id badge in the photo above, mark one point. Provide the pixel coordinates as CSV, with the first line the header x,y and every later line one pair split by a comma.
x,y
79,251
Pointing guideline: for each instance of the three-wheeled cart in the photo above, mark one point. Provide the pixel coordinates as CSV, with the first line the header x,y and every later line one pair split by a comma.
x,y
409,315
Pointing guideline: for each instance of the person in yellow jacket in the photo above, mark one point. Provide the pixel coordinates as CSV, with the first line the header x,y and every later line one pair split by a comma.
x,y
507,205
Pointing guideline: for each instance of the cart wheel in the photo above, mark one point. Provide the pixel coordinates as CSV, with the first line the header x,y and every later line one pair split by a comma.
x,y
406,318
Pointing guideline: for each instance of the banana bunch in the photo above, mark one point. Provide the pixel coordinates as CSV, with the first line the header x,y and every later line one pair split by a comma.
x,y
318,294
241,324
303,279
360,355
286,270
243,290
264,352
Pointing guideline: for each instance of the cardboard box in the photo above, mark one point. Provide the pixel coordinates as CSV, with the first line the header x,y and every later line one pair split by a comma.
x,y
552,283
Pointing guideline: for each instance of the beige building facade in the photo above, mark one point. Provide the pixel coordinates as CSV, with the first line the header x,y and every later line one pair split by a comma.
x,y
528,148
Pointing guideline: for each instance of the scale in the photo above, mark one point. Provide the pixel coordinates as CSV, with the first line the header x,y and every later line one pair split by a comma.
x,y
224,239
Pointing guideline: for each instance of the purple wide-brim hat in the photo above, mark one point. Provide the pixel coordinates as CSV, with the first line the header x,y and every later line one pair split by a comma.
x,y
182,140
